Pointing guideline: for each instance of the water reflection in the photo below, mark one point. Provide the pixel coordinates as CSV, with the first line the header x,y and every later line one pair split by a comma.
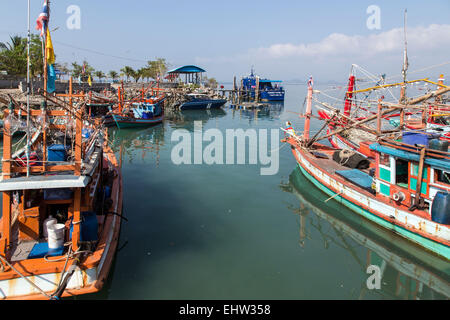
x,y
138,143
184,119
270,112
407,271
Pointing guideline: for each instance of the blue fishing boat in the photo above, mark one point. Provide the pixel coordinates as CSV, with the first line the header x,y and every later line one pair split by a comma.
x,y
201,101
138,115
268,90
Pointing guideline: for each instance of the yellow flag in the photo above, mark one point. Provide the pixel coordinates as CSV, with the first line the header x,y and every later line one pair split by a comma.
x,y
90,81
49,49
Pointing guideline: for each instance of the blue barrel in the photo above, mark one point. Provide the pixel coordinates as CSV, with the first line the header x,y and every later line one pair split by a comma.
x,y
89,227
440,209
56,152
437,144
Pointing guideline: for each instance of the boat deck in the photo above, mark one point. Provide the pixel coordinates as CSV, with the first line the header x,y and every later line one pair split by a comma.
x,y
330,167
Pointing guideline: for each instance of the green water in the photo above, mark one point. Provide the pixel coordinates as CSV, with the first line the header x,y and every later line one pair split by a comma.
x,y
227,232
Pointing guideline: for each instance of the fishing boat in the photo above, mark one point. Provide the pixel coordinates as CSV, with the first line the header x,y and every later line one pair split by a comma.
x,y
61,207
408,118
141,111
404,188
197,101
263,89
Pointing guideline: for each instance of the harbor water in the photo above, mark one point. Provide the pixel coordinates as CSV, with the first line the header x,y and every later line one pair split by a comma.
x,y
221,231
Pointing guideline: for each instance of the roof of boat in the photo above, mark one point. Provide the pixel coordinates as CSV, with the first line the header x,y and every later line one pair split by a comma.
x,y
44,182
267,80
443,164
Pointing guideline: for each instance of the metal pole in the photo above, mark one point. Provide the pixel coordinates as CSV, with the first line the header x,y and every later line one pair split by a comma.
x,y
28,93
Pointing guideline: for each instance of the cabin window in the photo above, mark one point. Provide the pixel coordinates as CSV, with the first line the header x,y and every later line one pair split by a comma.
x,y
401,173
441,176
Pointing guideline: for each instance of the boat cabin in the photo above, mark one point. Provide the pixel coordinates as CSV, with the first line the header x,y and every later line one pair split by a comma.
x,y
400,168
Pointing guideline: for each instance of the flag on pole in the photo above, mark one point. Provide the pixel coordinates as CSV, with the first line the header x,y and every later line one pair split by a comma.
x,y
43,18
90,81
49,48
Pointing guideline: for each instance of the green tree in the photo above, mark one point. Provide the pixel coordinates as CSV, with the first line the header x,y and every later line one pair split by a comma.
x,y
77,70
13,56
100,75
157,67
128,72
211,82
113,74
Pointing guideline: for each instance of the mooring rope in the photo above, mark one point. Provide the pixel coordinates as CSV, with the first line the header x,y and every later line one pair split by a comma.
x,y
25,278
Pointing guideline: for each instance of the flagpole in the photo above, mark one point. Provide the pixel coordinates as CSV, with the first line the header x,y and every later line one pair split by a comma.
x,y
28,93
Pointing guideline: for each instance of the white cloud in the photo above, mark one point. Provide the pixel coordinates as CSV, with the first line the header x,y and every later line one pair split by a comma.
x,y
419,39
338,44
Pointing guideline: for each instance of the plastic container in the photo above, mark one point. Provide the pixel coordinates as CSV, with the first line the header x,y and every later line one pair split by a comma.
x,y
88,227
437,144
56,236
440,209
47,223
56,152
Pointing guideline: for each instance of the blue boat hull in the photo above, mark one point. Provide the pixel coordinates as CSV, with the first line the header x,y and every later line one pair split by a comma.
x,y
272,95
130,122
206,104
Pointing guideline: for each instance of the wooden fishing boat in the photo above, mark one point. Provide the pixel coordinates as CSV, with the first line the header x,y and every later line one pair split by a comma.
x,y
140,111
386,191
79,184
431,120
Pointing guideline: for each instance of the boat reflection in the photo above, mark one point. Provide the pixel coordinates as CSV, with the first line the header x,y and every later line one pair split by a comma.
x,y
132,144
408,272
271,111
184,119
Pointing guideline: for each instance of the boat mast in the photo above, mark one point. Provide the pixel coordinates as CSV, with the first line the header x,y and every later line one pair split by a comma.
x,y
308,109
403,98
28,93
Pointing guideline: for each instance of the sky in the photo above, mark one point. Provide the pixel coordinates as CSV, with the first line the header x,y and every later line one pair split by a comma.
x,y
284,39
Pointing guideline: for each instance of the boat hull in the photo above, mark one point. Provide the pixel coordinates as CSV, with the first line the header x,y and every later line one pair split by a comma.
x,y
207,104
92,273
129,122
272,96
430,235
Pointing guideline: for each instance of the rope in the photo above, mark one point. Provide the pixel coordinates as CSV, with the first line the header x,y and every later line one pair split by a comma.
x,y
25,278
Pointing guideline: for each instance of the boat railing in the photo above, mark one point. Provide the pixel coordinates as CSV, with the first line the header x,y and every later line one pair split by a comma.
x,y
415,149
49,121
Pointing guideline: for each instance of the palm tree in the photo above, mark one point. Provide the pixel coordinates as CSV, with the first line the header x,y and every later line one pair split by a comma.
x,y
113,74
128,71
13,56
100,75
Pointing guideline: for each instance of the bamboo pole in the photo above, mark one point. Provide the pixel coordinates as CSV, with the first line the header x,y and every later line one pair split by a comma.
x,y
358,123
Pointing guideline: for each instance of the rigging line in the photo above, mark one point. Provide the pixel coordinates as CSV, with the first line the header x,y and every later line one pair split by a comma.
x,y
423,69
375,79
97,52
